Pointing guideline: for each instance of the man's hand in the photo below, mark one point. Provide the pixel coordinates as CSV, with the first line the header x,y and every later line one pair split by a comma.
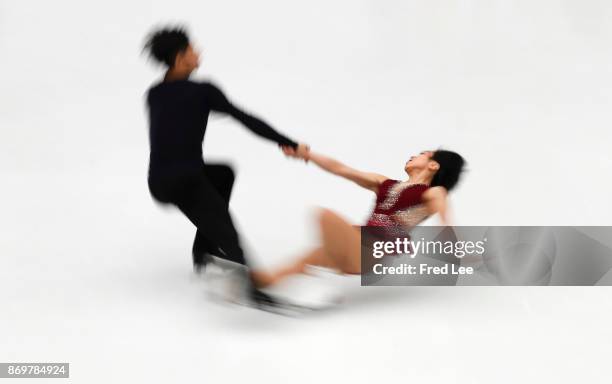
x,y
302,151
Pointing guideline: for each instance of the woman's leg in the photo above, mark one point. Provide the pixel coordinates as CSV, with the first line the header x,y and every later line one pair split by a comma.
x,y
341,242
313,257
340,250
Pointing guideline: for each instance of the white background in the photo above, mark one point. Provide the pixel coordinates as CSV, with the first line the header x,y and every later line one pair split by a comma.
x,y
94,273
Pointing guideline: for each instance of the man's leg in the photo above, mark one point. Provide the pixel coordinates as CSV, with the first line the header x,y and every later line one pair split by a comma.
x,y
222,178
207,210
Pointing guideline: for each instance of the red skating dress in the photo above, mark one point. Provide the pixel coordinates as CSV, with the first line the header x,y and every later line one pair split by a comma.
x,y
399,203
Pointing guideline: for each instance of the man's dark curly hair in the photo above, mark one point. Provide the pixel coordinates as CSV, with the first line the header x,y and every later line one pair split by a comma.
x,y
165,43
451,167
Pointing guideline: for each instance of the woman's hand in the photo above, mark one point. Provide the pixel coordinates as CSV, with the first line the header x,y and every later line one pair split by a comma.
x,y
368,180
302,151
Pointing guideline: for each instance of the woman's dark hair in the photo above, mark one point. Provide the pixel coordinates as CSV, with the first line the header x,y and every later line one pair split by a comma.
x,y
164,44
451,167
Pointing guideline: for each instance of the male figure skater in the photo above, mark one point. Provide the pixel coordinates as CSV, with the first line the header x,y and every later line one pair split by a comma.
x,y
178,112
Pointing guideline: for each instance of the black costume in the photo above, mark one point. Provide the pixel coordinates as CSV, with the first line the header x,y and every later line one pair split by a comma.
x,y
178,114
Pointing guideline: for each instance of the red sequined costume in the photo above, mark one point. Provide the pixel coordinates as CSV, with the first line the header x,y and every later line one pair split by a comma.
x,y
399,203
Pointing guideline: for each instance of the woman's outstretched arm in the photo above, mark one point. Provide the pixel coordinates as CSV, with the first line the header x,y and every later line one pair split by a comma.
x,y
368,180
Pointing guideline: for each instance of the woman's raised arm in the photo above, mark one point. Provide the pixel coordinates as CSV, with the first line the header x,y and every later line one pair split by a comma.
x,y
436,201
368,180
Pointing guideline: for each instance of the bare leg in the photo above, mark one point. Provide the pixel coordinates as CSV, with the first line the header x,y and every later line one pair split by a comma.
x,y
340,250
341,242
314,257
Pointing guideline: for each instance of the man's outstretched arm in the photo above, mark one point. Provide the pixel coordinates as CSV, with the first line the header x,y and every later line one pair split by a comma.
x,y
219,102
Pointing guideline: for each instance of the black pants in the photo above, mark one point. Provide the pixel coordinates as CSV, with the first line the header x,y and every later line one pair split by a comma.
x,y
204,198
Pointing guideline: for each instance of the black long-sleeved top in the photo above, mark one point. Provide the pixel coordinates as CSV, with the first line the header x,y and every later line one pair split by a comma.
x,y
178,115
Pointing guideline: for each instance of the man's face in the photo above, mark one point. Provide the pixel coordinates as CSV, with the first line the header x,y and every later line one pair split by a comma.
x,y
189,59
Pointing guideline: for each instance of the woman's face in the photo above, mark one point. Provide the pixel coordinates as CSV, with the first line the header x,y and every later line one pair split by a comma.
x,y
420,161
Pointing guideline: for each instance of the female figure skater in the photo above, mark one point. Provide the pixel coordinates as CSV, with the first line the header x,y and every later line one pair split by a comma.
x,y
431,175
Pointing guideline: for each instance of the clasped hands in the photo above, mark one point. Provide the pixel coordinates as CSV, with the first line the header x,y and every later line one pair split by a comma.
x,y
301,152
